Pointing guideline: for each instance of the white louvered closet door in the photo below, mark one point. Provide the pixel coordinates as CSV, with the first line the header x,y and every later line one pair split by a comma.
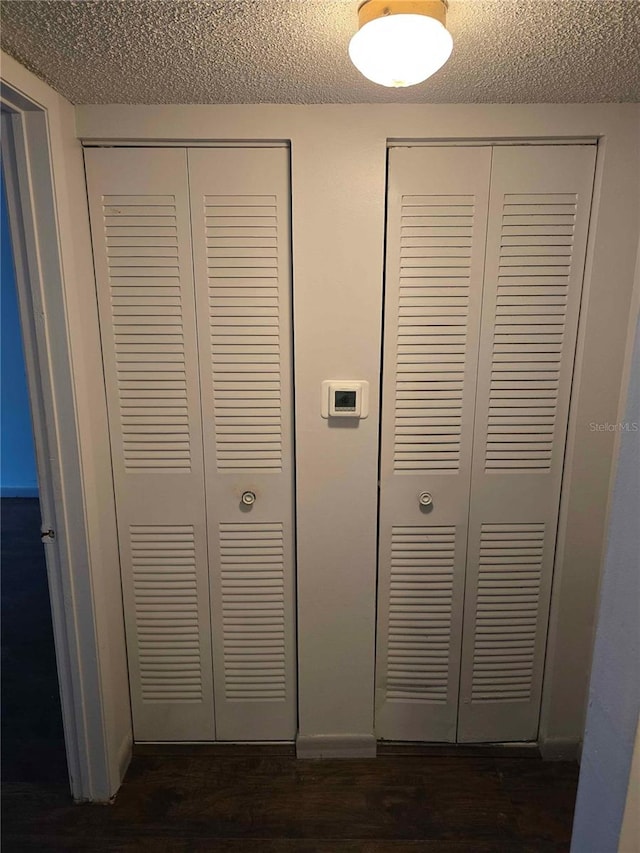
x,y
140,223
241,233
437,209
536,243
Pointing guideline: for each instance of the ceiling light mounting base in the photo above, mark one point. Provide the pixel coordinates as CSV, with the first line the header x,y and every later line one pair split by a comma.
x,y
369,10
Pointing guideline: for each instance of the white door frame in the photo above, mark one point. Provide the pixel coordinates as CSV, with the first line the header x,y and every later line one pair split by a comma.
x,y
40,280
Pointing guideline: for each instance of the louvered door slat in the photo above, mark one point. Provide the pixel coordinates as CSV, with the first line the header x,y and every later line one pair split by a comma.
x,y
243,379
240,216
435,249
142,247
253,612
538,220
420,613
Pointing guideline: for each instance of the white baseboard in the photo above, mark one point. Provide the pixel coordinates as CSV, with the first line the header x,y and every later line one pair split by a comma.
x,y
335,746
560,749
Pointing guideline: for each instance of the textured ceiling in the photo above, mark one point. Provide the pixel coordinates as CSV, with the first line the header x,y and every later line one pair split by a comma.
x,y
295,51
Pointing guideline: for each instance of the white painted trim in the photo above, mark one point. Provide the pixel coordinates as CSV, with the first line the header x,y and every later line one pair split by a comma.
x,y
558,749
485,143
336,746
49,222
187,143
41,394
565,492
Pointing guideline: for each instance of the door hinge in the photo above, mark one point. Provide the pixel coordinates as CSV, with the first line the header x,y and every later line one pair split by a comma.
x,y
47,534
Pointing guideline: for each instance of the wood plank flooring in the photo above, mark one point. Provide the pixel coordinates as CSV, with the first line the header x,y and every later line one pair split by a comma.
x,y
32,736
261,802
245,799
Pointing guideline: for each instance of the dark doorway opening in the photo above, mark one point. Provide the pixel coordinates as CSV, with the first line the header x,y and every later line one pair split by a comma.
x,y
33,748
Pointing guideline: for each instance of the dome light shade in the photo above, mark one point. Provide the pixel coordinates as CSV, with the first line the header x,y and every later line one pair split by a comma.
x,y
400,42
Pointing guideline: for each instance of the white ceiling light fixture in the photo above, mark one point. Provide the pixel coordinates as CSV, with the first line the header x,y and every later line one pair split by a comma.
x,y
401,42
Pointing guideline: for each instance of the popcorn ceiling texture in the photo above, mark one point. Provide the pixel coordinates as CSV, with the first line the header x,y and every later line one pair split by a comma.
x,y
295,51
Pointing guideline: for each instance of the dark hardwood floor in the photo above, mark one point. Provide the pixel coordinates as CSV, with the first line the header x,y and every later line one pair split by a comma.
x,y
32,737
237,799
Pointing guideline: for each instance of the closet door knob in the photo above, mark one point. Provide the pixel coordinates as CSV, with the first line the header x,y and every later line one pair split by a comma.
x,y
248,498
425,499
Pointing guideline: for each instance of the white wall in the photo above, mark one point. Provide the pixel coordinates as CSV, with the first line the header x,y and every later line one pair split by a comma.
x,y
614,693
85,583
338,174
629,841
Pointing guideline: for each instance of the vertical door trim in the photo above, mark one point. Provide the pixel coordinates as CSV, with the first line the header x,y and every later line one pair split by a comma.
x,y
556,748
32,204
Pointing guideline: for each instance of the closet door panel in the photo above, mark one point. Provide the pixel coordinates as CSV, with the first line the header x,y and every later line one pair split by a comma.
x,y
538,220
437,208
240,202
140,225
